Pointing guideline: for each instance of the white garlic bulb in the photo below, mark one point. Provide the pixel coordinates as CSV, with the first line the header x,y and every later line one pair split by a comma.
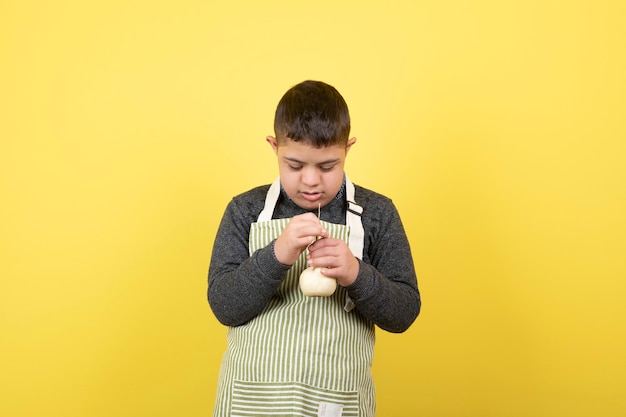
x,y
314,284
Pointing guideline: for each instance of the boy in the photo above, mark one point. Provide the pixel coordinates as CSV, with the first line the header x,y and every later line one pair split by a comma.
x,y
287,353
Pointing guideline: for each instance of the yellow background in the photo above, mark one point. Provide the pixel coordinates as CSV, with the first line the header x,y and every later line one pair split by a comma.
x,y
497,127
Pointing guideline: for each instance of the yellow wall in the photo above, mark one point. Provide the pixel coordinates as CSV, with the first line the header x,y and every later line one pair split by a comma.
x,y
498,128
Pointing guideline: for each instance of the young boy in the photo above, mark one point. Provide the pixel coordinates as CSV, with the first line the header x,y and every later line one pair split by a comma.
x,y
289,354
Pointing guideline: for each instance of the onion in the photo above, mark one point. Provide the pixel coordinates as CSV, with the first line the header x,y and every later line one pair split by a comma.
x,y
314,284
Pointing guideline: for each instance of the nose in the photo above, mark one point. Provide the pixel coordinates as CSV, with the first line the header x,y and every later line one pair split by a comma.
x,y
310,177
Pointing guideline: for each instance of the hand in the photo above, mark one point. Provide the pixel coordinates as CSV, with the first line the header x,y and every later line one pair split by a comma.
x,y
336,260
299,233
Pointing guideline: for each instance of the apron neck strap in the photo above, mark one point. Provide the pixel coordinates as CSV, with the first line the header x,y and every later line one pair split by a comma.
x,y
353,220
270,202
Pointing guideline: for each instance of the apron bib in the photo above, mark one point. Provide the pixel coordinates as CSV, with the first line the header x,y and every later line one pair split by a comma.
x,y
302,356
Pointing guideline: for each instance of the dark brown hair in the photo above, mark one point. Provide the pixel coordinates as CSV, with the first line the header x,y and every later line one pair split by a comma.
x,y
313,112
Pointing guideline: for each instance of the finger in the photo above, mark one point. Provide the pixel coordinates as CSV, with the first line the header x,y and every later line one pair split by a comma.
x,y
329,243
328,261
307,232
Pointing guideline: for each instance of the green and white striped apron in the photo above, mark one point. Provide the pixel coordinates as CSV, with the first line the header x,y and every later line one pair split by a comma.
x,y
302,356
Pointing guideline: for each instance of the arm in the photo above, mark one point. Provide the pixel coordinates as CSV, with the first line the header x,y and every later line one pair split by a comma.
x,y
385,290
240,285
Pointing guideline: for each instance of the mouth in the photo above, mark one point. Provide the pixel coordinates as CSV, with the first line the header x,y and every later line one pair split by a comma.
x,y
309,196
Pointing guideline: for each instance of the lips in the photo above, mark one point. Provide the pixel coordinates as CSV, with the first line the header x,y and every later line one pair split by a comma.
x,y
311,196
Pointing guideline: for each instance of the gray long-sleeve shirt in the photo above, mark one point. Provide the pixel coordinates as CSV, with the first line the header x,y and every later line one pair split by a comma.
x,y
384,292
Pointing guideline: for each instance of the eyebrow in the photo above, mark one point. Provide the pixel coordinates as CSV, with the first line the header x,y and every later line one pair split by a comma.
x,y
297,161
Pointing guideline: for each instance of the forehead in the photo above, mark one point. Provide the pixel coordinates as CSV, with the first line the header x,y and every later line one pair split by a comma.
x,y
306,153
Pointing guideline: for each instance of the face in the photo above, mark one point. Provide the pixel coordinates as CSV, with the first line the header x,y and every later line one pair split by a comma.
x,y
310,176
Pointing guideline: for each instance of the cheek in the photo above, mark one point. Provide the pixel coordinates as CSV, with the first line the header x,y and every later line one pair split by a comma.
x,y
336,177
334,181
288,180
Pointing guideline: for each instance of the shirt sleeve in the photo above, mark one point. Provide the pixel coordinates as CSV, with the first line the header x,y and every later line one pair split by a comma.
x,y
385,290
240,285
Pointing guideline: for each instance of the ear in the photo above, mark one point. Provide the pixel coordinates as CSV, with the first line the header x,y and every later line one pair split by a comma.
x,y
273,143
351,142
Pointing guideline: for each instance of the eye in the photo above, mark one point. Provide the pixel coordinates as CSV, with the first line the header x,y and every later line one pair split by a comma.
x,y
295,167
327,168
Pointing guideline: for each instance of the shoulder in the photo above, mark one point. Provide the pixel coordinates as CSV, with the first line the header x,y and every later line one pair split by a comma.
x,y
249,204
379,211
382,224
371,200
254,195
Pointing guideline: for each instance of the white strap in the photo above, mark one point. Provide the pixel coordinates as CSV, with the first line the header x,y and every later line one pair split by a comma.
x,y
357,234
353,220
270,202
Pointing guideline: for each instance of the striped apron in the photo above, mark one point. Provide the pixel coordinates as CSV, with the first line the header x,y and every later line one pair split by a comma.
x,y
302,356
